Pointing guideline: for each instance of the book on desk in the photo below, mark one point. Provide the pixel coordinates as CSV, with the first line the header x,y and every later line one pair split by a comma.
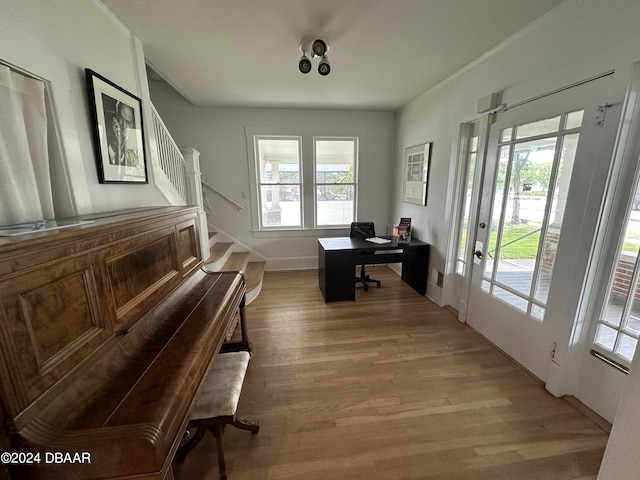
x,y
378,240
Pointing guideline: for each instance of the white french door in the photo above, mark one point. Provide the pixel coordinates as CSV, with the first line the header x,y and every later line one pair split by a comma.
x,y
528,225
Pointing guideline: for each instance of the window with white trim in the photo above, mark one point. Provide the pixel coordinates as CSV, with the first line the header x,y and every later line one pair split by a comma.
x,y
279,183
619,323
302,182
335,174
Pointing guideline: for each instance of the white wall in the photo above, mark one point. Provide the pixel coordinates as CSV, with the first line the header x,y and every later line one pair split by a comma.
x,y
219,135
57,40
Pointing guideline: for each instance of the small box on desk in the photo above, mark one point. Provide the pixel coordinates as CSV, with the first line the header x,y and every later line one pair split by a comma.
x,y
402,233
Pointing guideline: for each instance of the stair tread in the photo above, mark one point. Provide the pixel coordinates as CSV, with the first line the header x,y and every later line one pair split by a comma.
x,y
218,251
253,274
223,259
237,262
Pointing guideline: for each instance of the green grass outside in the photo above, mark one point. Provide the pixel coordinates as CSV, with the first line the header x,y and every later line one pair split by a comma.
x,y
516,243
527,247
631,247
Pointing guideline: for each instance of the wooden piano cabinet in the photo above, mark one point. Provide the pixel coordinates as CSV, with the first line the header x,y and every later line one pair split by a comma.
x,y
106,333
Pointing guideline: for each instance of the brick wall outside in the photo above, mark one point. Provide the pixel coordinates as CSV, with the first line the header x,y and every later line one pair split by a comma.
x,y
623,276
624,269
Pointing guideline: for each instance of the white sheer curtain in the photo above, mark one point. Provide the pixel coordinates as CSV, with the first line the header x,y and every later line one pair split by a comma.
x,y
25,185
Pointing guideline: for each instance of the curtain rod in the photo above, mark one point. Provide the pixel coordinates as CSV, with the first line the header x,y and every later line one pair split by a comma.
x,y
505,107
22,71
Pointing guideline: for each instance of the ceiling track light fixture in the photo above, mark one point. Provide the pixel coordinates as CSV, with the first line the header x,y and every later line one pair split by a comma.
x,y
317,48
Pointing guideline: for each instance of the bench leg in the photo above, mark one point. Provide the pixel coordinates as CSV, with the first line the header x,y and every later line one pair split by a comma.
x,y
182,453
244,344
222,467
243,424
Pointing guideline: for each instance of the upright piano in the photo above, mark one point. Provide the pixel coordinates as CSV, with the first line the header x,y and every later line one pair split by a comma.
x,y
107,330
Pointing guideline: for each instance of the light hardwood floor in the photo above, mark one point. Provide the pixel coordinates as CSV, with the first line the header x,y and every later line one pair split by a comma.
x,y
389,387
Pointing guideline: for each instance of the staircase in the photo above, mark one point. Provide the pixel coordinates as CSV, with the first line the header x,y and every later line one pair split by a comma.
x,y
178,180
223,258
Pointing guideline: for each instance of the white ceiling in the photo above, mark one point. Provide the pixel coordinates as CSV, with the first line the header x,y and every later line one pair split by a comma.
x,y
383,53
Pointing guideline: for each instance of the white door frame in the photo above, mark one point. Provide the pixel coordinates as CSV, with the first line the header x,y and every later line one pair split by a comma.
x,y
463,282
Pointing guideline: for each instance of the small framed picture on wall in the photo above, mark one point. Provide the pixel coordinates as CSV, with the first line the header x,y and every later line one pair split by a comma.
x,y
417,161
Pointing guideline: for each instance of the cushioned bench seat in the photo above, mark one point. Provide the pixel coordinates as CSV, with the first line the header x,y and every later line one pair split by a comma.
x,y
221,390
217,404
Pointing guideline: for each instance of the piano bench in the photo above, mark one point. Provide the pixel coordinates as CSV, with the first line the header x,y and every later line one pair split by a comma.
x,y
217,405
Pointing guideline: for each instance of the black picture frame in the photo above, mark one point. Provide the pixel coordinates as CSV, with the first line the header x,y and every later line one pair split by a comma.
x,y
118,133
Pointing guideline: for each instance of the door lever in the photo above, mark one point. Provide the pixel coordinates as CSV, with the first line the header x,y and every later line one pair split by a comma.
x,y
478,253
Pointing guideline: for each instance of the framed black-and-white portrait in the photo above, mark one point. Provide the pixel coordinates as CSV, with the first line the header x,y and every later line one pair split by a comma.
x,y
117,130
417,160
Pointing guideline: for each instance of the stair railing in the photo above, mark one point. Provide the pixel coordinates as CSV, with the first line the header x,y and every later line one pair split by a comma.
x,y
180,169
226,197
170,157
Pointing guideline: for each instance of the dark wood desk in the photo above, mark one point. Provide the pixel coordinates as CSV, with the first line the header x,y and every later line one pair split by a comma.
x,y
338,256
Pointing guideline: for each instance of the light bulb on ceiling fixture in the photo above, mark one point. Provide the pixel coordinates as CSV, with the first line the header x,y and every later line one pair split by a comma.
x,y
324,67
319,47
304,64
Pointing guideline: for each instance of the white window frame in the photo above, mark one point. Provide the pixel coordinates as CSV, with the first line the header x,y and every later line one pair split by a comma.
x,y
260,183
316,184
309,227
624,179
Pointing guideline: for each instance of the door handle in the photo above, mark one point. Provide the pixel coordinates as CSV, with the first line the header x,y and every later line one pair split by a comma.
x,y
478,253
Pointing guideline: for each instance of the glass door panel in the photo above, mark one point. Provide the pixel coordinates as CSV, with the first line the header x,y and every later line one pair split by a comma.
x,y
467,186
534,166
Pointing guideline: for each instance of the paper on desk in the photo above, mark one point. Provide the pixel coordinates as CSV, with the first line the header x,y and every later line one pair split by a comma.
x,y
377,240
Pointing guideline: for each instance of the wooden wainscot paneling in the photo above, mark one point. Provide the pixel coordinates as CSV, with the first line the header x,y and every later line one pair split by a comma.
x,y
51,322
188,246
142,269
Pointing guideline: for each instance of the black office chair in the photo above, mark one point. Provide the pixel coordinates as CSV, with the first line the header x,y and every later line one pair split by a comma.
x,y
364,230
